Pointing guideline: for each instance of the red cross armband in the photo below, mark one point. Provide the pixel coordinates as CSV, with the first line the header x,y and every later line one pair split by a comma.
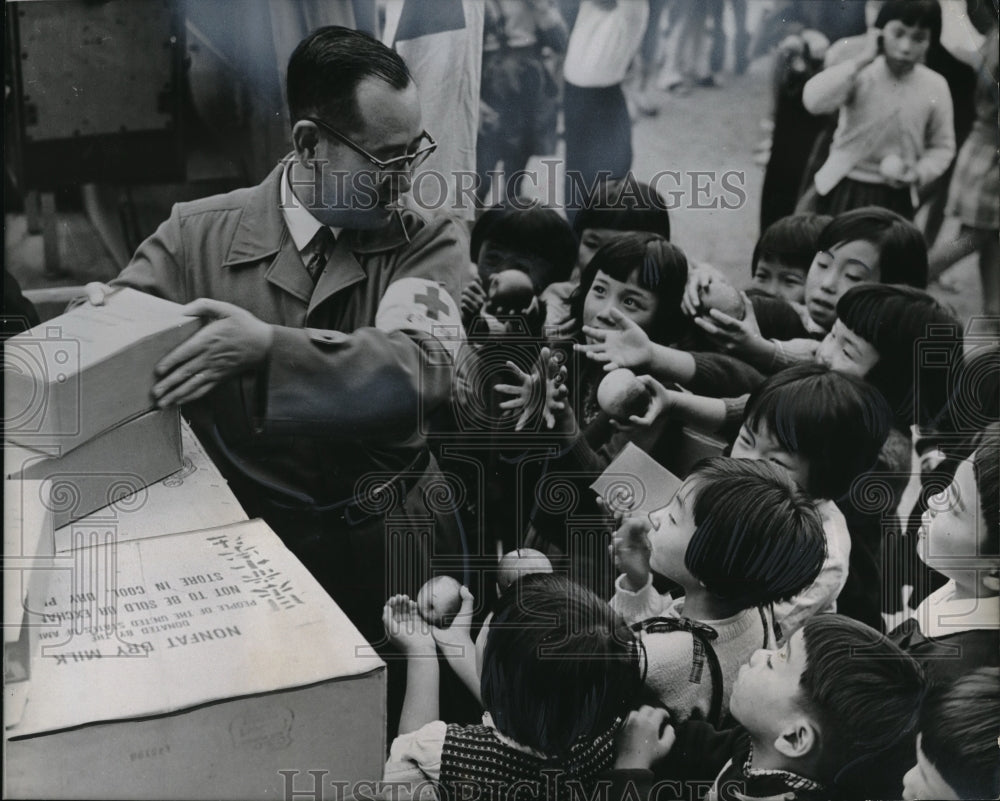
x,y
418,304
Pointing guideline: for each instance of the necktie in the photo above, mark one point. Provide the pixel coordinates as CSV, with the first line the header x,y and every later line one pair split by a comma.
x,y
322,245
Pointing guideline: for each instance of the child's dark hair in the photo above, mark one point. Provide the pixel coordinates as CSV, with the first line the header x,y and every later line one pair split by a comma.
x,y
624,204
893,319
902,249
837,423
660,267
986,467
752,553
560,666
864,693
792,241
915,13
959,728
538,234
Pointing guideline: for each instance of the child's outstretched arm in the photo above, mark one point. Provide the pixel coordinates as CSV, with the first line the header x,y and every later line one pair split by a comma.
x,y
742,338
629,346
456,645
409,632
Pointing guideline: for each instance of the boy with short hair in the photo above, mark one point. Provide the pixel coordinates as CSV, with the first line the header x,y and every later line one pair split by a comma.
x,y
828,715
957,744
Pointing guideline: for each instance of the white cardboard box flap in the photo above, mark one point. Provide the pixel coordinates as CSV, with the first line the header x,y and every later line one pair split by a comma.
x,y
89,369
157,625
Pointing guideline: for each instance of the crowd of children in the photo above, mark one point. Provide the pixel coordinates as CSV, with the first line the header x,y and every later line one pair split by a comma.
x,y
815,612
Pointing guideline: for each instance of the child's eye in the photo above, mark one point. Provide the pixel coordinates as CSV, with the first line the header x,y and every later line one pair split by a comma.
x,y
630,303
792,280
854,277
597,290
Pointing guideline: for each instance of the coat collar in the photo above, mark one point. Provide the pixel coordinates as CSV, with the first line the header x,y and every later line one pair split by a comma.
x,y
262,232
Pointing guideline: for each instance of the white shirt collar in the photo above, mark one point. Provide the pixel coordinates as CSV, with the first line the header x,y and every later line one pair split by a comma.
x,y
941,614
302,225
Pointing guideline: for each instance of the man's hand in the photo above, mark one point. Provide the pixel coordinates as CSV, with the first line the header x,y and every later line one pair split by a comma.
x,y
646,738
231,342
627,345
97,292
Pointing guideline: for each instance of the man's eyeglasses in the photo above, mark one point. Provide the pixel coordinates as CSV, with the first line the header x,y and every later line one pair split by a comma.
x,y
426,145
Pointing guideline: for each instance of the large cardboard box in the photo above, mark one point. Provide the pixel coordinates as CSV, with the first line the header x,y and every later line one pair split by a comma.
x,y
196,497
28,550
88,370
201,665
110,468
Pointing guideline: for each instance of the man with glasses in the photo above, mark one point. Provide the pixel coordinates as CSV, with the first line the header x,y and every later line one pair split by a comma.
x,y
329,321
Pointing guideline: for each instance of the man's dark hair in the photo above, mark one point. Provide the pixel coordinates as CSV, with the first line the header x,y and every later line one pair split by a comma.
x,y
863,692
624,204
560,666
752,553
660,268
793,241
326,67
902,250
915,13
959,727
836,422
894,319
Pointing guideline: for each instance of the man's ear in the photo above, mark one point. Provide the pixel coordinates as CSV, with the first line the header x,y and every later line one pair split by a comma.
x,y
305,137
798,739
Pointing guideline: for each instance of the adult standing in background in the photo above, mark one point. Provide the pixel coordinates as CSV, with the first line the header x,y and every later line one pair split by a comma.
x,y
605,38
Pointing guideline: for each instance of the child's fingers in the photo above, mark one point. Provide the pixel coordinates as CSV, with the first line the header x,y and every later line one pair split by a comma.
x,y
599,334
516,403
610,367
508,389
518,371
723,319
707,326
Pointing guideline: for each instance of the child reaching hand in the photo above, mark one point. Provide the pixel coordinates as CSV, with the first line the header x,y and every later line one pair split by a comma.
x,y
869,245
733,559
560,672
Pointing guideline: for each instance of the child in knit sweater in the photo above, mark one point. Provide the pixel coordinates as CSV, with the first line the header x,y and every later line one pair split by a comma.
x,y
895,133
732,557
559,673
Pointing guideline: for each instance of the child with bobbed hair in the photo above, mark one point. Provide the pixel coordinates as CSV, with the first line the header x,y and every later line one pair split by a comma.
x,y
559,673
614,207
826,429
832,714
877,335
957,743
733,559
